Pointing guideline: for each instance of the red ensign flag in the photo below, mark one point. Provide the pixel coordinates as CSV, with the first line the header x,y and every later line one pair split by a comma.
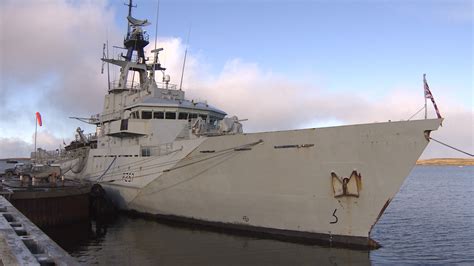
x,y
38,119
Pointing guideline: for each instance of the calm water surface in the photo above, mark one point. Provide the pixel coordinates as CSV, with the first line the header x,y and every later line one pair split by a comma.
x,y
430,221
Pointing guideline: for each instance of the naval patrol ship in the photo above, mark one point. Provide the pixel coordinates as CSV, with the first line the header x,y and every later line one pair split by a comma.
x,y
158,153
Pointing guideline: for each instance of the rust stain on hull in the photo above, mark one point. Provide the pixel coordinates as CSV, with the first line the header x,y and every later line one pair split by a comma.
x,y
380,213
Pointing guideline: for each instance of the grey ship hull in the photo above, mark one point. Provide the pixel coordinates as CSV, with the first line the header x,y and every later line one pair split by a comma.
x,y
325,184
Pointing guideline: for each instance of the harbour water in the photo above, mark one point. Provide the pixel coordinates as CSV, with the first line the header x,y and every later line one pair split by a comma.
x,y
430,221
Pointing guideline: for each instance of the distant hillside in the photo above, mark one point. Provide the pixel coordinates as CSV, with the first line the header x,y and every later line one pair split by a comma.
x,y
446,161
15,159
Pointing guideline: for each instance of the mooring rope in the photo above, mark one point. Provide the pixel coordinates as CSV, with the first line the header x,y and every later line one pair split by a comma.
x,y
106,170
456,149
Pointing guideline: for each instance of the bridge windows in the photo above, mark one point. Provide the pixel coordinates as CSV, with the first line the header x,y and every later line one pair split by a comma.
x,y
158,115
135,115
183,116
146,114
163,115
170,115
174,114
191,116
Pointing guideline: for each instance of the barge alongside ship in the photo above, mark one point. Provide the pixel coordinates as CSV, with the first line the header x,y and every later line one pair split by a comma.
x,y
158,153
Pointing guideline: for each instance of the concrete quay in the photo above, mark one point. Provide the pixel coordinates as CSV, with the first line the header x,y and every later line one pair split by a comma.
x,y
23,243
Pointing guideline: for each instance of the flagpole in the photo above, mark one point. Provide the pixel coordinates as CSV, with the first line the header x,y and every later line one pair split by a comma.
x,y
426,110
36,130
424,84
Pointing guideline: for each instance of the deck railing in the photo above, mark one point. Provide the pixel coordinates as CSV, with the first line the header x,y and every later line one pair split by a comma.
x,y
128,86
135,85
89,137
137,37
54,156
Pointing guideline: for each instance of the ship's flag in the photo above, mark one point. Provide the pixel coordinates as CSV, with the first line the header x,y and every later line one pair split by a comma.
x,y
428,95
38,119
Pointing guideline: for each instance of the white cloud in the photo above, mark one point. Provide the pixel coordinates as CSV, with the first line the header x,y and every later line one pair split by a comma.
x,y
50,53
50,62
271,102
12,147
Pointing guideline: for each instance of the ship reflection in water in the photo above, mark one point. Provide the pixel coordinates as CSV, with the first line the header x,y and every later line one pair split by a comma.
x,y
137,241
429,222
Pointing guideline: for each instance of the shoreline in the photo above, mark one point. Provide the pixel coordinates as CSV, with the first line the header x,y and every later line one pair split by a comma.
x,y
447,161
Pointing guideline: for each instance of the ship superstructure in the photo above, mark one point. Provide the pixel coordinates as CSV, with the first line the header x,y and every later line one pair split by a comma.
x,y
158,153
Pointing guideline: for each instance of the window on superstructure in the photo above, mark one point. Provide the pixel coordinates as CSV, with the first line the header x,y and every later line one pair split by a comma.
x,y
158,115
146,152
170,115
192,116
124,124
212,120
146,114
204,117
183,116
135,115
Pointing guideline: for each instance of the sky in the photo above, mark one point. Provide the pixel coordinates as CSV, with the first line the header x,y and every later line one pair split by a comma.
x,y
280,64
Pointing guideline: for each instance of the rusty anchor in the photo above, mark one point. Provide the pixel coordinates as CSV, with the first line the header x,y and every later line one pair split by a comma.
x,y
346,186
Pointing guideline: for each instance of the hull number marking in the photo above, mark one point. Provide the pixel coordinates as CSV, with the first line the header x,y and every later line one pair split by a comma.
x,y
128,177
334,215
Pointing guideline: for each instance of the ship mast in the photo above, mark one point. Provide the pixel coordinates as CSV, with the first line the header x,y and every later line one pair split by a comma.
x,y
136,38
130,5
135,41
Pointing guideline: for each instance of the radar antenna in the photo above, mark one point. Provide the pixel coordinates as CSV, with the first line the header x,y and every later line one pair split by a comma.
x,y
130,5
